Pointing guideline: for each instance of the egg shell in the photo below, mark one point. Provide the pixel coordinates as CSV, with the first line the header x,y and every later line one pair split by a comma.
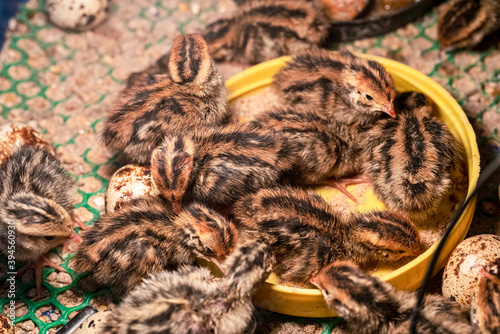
x,y
461,274
77,14
14,135
93,324
129,182
6,326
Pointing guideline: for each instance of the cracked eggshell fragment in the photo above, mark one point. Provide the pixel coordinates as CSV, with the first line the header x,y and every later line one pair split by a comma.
x,y
462,272
14,135
127,183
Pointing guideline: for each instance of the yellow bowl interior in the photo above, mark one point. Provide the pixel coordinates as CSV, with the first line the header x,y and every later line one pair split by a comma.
x,y
310,302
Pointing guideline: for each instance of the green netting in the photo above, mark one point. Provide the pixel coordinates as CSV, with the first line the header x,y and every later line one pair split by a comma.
x,y
27,60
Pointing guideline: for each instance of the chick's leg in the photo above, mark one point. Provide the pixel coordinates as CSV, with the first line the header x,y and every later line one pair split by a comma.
x,y
341,185
41,262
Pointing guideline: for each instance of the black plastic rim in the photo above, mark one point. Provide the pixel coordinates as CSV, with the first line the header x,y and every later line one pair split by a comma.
x,y
348,31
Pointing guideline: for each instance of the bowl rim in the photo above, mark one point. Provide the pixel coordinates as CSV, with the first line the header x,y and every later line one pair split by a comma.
x,y
252,79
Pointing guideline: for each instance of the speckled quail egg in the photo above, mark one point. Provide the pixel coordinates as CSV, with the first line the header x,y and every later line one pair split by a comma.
x,y
16,134
129,182
77,14
6,326
462,272
93,324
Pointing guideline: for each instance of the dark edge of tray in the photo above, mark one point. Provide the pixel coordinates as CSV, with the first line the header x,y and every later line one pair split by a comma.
x,y
348,31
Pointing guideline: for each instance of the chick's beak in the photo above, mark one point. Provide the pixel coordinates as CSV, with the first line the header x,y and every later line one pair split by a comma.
x,y
74,238
176,206
314,282
483,273
218,265
389,110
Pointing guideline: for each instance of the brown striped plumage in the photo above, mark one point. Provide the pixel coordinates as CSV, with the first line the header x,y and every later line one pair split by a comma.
x,y
36,203
261,30
192,93
305,233
465,23
323,148
145,237
487,303
191,300
218,165
412,160
349,89
371,306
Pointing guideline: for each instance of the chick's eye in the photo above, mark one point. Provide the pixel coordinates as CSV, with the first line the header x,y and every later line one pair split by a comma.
x,y
368,97
49,238
208,251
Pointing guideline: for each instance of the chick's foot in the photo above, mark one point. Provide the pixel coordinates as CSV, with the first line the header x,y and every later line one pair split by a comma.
x,y
341,185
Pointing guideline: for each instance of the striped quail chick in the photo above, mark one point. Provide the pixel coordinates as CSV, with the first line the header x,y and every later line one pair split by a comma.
x,y
36,202
192,300
485,307
218,165
465,23
305,233
145,237
191,94
350,89
261,30
371,306
323,148
412,160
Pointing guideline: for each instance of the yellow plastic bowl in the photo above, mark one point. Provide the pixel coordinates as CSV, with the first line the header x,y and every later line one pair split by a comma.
x,y
310,302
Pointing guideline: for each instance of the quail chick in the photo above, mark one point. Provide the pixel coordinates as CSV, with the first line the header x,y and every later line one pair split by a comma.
x,y
36,203
322,147
218,165
306,234
465,23
373,307
266,29
412,160
192,93
192,300
486,311
349,89
145,237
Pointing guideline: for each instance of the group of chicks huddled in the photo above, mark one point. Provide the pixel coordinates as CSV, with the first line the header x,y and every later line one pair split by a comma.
x,y
231,193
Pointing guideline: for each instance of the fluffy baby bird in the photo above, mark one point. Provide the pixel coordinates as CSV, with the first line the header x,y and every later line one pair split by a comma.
x,y
485,308
36,203
306,234
192,93
325,150
145,237
371,306
465,23
218,165
413,160
261,30
350,89
191,300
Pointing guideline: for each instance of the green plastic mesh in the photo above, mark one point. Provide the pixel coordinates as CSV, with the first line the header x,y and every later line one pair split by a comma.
x,y
34,65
